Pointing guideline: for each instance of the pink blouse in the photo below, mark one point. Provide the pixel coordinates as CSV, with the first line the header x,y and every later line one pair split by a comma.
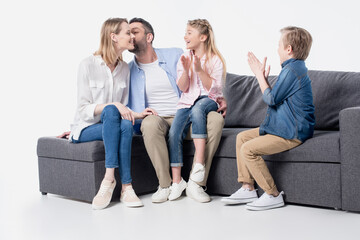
x,y
214,68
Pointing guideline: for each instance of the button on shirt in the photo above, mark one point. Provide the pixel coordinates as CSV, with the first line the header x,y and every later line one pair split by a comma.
x,y
98,85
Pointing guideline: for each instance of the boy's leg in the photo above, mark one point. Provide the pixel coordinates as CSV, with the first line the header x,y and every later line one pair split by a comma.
x,y
244,175
251,152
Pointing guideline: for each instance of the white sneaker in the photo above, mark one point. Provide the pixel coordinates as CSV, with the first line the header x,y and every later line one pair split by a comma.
x,y
129,198
198,173
177,189
266,202
161,195
196,192
243,195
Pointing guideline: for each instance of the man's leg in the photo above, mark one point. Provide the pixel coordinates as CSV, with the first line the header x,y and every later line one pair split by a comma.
x,y
154,130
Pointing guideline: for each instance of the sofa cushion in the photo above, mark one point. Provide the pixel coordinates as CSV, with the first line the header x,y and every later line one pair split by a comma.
x,y
323,147
332,92
52,147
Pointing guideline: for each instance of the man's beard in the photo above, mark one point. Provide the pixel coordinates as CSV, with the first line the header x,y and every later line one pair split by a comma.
x,y
135,50
138,47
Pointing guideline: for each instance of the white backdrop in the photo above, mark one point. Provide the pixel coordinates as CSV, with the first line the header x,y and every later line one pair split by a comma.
x,y
42,43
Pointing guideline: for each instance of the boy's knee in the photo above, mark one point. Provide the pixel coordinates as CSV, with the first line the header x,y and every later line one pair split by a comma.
x,y
246,152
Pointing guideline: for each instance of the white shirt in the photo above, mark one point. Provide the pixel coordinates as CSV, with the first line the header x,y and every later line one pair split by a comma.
x,y
98,85
160,95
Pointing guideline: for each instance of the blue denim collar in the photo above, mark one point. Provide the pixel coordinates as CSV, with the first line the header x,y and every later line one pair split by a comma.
x,y
287,62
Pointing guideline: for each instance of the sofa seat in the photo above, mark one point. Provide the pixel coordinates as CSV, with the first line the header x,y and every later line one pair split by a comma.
x,y
324,142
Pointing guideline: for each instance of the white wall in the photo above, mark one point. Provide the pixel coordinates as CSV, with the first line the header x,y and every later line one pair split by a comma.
x,y
42,43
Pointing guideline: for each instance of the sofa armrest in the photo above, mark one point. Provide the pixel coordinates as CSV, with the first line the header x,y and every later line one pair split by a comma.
x,y
350,158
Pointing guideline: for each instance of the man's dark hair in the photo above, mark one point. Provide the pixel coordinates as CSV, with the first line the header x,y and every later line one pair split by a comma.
x,y
147,26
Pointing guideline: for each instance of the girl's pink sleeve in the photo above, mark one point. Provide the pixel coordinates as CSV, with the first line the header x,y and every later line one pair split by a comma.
x,y
216,75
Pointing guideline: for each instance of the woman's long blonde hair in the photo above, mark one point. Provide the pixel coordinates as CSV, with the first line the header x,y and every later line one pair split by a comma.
x,y
204,27
106,49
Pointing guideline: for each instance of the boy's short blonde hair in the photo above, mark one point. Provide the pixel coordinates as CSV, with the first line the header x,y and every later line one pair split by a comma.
x,y
299,39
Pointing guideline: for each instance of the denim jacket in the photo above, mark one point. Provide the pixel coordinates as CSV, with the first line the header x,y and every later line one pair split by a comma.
x,y
168,59
290,112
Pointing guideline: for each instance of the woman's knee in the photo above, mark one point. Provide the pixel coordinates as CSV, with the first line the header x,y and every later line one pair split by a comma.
x,y
111,112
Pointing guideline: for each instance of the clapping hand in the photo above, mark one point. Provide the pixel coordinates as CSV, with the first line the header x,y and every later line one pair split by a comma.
x,y
257,67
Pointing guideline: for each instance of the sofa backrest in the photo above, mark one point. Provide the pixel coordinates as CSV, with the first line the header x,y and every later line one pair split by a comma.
x,y
332,92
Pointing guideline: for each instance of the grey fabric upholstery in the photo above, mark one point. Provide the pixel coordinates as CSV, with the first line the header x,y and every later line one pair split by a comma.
x,y
350,158
323,171
333,91
52,147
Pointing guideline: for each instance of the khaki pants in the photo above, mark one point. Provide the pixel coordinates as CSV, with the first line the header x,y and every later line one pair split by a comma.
x,y
155,129
250,146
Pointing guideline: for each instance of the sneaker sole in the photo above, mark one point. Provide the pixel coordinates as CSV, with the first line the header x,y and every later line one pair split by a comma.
x,y
258,208
196,199
230,201
97,207
158,201
135,204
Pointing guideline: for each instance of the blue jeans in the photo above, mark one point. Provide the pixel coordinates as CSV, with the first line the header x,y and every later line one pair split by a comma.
x,y
195,115
117,136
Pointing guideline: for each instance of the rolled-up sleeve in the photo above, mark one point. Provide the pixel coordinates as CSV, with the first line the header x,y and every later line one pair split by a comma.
x,y
216,75
284,87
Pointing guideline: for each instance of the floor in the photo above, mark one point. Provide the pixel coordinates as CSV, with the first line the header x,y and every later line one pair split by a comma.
x,y
34,216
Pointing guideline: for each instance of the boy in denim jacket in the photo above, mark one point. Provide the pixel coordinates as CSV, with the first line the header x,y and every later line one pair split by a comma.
x,y
288,123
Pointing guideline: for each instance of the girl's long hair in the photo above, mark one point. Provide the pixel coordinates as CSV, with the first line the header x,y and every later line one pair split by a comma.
x,y
204,27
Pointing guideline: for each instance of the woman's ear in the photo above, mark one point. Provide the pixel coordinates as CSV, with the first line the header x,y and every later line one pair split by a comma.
x,y
113,37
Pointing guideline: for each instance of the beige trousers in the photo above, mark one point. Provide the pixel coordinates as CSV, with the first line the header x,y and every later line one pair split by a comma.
x,y
155,129
250,146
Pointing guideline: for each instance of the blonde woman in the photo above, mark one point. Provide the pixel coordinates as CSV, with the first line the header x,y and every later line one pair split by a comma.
x,y
200,75
103,87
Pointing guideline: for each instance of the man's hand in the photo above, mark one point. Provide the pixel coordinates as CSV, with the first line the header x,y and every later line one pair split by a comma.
x,y
125,112
64,135
147,112
223,106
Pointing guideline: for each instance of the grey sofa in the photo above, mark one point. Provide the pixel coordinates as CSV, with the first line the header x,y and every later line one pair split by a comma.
x,y
324,171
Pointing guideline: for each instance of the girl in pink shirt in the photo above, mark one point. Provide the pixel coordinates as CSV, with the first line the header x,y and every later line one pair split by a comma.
x,y
200,74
